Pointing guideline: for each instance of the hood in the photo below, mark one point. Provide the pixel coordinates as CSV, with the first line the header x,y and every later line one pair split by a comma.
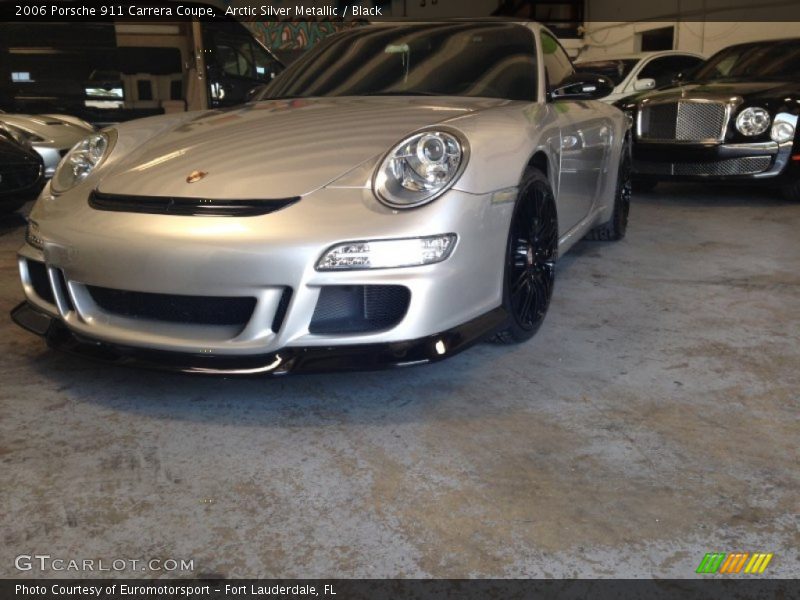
x,y
54,131
723,89
274,149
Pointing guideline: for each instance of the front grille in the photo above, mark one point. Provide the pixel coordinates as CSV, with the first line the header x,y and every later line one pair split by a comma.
x,y
18,177
37,272
652,168
359,308
720,168
683,121
280,312
170,205
174,308
659,121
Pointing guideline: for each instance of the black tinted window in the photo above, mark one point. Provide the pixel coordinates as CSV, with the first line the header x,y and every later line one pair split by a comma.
x,y
615,70
465,59
665,68
557,64
235,53
764,60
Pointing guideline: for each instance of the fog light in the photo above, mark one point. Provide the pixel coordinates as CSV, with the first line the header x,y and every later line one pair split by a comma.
x,y
388,254
782,131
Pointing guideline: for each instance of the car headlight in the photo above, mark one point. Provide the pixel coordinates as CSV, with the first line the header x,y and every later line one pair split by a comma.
x,y
752,121
84,158
420,169
782,131
388,254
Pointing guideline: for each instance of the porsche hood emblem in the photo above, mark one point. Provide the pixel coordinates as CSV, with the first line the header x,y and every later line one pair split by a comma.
x,y
195,176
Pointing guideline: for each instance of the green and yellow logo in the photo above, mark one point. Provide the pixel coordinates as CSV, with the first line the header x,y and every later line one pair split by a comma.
x,y
736,562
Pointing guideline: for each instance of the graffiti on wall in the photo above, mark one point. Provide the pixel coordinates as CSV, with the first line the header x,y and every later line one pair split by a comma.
x,y
294,35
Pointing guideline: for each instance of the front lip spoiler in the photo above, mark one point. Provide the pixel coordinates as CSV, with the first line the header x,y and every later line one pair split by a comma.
x,y
311,359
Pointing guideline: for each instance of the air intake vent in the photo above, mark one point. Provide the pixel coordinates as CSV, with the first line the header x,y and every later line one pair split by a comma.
x,y
359,308
203,310
40,281
280,313
169,205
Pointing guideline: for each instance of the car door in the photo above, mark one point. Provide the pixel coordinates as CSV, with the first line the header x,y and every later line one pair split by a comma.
x,y
584,144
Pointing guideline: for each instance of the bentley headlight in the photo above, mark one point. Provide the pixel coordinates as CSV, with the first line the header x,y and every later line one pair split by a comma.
x,y
752,121
420,169
79,162
782,131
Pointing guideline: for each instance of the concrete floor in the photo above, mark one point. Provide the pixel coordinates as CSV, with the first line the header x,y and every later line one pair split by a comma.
x,y
653,419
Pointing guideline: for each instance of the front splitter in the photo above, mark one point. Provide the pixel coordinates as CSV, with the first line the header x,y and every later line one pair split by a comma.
x,y
309,359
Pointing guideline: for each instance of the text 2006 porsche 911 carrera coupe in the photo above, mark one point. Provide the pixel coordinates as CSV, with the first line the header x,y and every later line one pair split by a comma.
x,y
395,195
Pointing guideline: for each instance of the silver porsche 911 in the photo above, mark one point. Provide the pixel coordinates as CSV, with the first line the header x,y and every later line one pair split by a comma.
x,y
397,194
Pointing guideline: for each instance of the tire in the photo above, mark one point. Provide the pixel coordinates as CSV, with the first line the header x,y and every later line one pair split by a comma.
x,y
792,192
531,251
616,227
642,186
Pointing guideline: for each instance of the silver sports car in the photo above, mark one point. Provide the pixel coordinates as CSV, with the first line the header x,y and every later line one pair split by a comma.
x,y
51,136
397,194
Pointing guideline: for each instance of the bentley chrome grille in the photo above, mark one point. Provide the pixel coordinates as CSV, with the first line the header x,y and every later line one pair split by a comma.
x,y
683,121
748,165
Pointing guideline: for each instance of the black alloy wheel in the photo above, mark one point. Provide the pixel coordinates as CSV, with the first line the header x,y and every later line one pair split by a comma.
x,y
617,226
530,261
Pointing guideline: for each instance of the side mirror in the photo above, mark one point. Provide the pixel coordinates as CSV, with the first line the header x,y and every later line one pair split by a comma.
x,y
645,83
583,86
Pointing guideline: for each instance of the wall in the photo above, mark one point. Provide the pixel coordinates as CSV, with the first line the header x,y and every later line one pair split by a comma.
x,y
443,9
702,26
294,35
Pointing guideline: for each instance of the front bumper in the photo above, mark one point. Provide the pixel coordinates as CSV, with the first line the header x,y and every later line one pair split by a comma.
x,y
767,162
360,357
76,249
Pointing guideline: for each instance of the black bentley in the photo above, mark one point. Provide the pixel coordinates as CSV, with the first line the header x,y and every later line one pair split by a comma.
x,y
733,119
21,173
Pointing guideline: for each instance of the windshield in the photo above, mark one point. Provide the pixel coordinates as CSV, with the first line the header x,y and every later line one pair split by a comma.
x,y
764,60
495,60
616,70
